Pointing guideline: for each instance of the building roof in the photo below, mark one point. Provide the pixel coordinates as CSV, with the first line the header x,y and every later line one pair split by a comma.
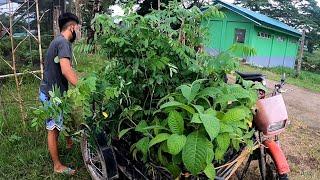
x,y
260,19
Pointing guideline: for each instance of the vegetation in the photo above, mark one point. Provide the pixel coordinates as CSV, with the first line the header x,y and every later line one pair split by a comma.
x,y
156,85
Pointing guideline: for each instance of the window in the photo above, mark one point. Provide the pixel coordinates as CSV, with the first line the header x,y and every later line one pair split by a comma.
x,y
280,38
264,35
240,35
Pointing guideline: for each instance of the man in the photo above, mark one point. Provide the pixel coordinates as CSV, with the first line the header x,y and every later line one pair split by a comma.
x,y
58,72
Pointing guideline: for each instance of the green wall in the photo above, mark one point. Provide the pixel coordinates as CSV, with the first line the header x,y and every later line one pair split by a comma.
x,y
276,50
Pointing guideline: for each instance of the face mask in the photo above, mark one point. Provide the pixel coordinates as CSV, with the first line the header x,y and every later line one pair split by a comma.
x,y
74,36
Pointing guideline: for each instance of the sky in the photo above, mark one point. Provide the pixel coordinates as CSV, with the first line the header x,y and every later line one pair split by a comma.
x,y
231,1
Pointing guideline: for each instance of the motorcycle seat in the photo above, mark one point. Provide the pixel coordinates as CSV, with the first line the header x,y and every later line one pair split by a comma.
x,y
251,76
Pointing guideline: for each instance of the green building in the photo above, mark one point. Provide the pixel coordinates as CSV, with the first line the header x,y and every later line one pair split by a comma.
x,y
275,42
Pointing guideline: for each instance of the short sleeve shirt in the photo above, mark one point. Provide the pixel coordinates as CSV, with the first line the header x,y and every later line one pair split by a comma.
x,y
59,48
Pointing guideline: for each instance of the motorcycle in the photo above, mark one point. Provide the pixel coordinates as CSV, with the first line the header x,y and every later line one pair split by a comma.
x,y
270,120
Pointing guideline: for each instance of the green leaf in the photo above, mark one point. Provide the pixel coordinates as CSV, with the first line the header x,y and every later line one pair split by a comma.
x,y
176,143
177,159
235,114
219,154
175,122
159,138
260,86
163,160
210,153
174,170
142,145
194,153
210,172
223,141
140,127
209,91
226,128
176,104
123,132
211,124
196,118
186,92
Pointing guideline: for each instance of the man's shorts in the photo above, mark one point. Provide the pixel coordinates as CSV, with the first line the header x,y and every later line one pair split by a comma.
x,y
51,123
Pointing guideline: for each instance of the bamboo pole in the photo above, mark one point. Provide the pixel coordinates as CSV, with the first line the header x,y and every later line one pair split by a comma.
x,y
14,65
39,38
19,74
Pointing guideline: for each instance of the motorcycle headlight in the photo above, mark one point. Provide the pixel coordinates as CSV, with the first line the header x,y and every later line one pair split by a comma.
x,y
276,126
264,82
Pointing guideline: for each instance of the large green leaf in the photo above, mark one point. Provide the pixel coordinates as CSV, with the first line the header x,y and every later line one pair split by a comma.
x,y
175,122
159,138
176,143
176,104
194,153
211,124
236,114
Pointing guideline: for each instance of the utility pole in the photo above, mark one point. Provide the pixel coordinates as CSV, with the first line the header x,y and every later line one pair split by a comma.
x,y
298,71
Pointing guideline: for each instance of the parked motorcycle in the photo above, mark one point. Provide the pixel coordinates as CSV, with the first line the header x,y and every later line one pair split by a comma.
x,y
270,120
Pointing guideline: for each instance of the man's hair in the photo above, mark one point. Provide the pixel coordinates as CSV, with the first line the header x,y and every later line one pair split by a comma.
x,y
65,19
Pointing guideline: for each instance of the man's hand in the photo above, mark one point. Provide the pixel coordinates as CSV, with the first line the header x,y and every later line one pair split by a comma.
x,y
67,71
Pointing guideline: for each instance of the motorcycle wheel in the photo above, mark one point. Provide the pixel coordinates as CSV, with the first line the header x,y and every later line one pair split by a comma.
x,y
93,157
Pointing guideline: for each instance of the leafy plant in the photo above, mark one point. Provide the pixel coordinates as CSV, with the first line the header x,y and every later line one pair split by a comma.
x,y
157,86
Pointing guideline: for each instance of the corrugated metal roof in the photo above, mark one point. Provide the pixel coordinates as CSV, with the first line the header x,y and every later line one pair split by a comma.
x,y
260,19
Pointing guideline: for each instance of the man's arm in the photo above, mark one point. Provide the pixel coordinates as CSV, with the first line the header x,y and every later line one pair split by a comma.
x,y
67,71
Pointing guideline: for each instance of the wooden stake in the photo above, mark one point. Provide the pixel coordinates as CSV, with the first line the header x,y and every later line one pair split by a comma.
x,y
300,53
39,38
159,4
14,66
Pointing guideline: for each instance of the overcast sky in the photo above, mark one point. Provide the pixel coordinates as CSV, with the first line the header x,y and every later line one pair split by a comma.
x,y
233,0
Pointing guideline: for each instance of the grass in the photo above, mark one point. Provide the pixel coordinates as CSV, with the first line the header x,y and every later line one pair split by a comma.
x,y
23,150
308,80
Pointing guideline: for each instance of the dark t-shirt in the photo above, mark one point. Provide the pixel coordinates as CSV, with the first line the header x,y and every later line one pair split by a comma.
x,y
52,76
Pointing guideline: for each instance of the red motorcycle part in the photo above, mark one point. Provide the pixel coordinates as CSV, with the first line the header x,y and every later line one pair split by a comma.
x,y
277,155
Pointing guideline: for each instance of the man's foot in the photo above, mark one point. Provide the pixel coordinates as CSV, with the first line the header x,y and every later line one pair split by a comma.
x,y
69,142
64,170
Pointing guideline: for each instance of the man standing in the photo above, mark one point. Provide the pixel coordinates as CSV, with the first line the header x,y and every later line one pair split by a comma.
x,y
57,73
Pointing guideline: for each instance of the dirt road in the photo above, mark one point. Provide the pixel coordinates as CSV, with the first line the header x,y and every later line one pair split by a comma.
x,y
302,104
301,141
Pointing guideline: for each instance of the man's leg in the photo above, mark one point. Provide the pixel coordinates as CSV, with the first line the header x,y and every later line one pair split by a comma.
x,y
53,149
